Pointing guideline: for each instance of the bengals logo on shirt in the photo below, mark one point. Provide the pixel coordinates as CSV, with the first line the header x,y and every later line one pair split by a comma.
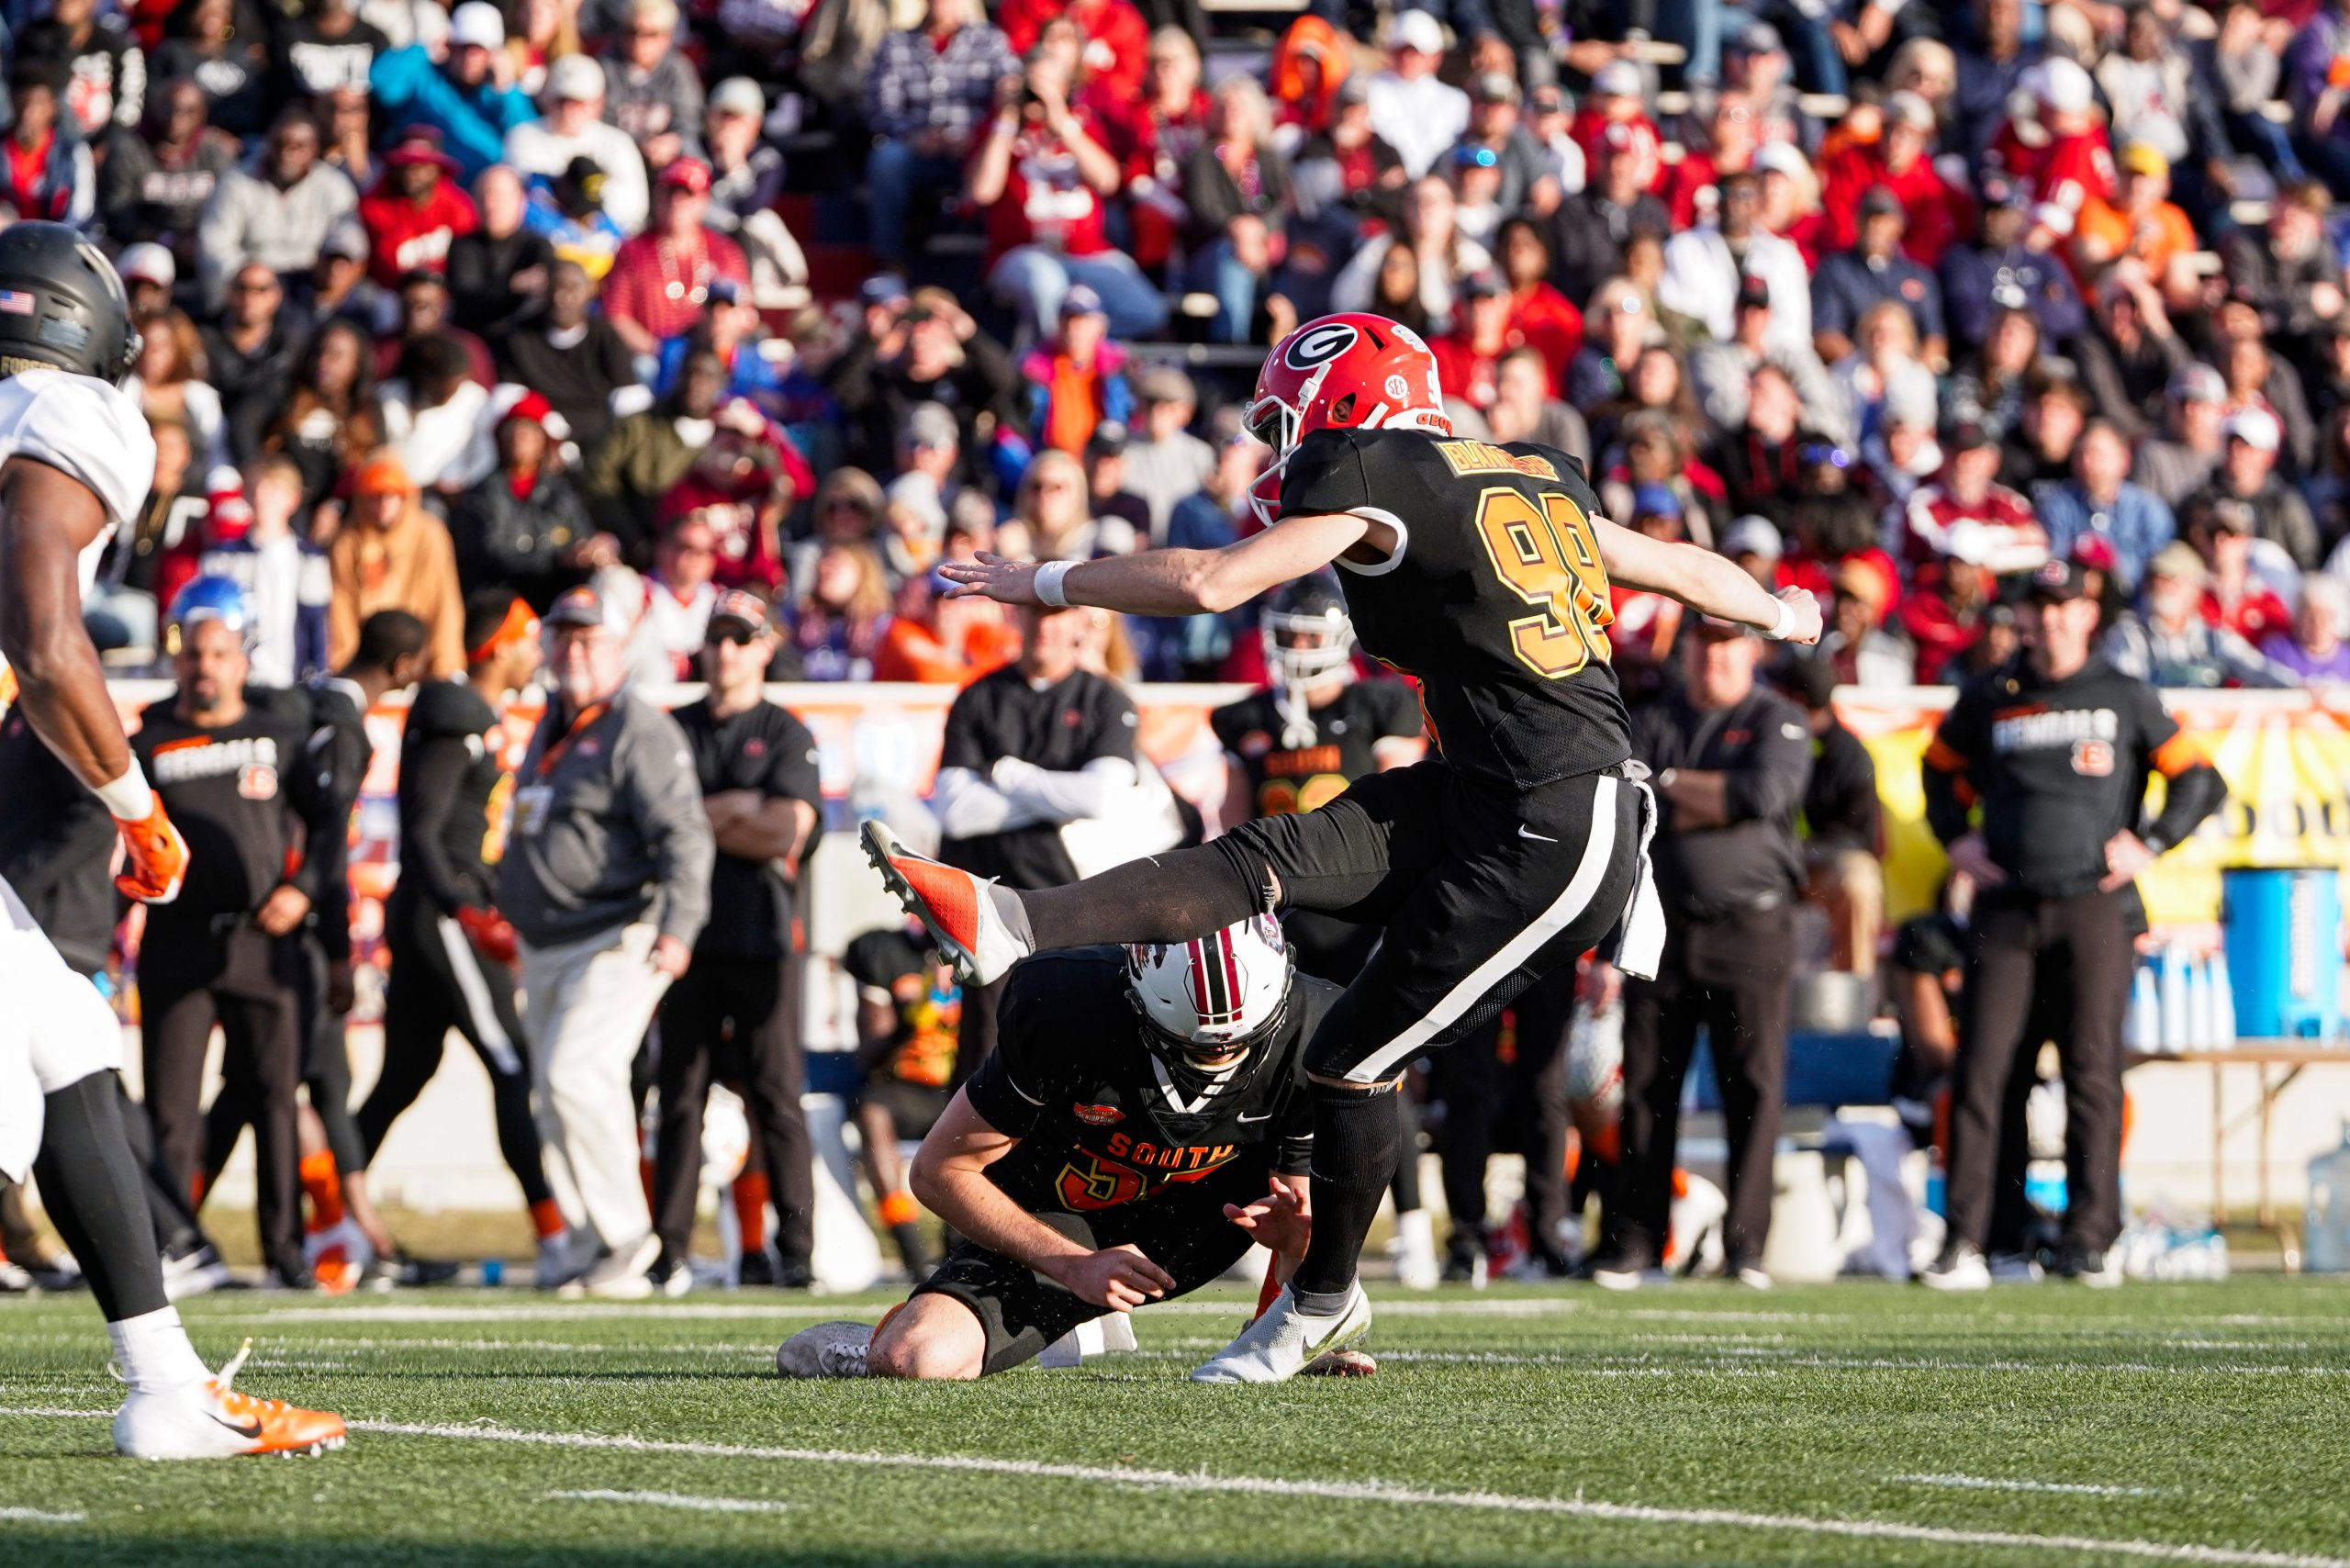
x,y
257,781
2093,758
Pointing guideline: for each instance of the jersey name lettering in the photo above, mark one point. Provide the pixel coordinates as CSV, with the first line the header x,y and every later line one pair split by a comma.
x,y
2037,730
179,761
1483,457
1312,759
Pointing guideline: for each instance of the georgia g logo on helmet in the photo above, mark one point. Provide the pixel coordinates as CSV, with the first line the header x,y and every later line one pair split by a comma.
x,y
1318,345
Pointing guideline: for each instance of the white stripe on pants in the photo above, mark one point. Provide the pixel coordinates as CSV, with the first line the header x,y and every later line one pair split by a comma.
x,y
587,1007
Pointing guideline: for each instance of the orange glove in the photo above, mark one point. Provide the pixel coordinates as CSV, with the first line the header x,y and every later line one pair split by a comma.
x,y
492,938
155,856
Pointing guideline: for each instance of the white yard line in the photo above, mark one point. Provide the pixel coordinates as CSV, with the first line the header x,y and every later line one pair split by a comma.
x,y
675,1500
1348,1492
37,1517
590,1311
1373,1491
2004,1484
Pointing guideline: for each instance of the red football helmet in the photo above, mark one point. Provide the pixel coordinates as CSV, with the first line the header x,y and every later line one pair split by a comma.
x,y
1355,370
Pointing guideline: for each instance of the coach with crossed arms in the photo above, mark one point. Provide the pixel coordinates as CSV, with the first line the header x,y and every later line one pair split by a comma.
x,y
607,882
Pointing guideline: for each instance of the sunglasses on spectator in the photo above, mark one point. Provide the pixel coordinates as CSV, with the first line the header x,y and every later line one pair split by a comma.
x,y
1814,453
740,636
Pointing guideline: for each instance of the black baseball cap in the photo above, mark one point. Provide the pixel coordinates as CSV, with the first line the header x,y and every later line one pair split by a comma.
x,y
1753,292
2056,581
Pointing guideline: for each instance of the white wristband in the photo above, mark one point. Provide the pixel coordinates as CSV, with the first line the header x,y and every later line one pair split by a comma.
x,y
128,798
1785,627
1048,583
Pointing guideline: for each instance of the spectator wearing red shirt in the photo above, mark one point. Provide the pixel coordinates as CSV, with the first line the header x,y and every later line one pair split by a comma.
x,y
1042,173
1117,41
2063,154
2222,534
660,280
1728,149
415,210
1540,315
47,172
1936,215
1616,99
1468,358
1968,514
1154,138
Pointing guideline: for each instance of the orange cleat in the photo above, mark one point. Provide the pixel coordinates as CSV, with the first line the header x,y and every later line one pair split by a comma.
x,y
958,909
213,1420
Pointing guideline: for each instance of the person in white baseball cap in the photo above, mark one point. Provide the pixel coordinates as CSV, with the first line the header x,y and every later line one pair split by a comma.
x,y
1411,110
149,273
468,94
574,126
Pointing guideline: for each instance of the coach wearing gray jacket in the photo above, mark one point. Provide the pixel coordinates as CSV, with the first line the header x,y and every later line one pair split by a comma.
x,y
607,882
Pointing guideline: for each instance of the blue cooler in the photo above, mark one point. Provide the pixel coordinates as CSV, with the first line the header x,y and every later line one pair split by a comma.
x,y
2283,930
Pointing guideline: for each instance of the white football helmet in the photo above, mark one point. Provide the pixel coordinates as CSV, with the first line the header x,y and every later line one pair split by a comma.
x,y
1206,999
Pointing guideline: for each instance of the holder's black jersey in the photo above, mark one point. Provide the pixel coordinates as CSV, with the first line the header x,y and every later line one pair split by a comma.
x,y
1285,778
451,790
1071,1078
1495,597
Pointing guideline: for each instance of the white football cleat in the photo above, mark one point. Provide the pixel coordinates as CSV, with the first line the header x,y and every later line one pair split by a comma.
x,y
624,1274
212,1420
1280,1343
827,1350
1413,1249
957,908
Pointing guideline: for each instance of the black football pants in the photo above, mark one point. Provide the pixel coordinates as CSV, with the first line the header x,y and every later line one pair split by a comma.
x,y
439,981
2026,946
264,1051
732,1018
1732,977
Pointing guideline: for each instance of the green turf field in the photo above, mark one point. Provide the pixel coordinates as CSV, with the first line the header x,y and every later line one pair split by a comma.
x,y
1856,1424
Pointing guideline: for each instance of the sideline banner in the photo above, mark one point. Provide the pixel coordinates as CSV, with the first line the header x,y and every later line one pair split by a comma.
x,y
2286,756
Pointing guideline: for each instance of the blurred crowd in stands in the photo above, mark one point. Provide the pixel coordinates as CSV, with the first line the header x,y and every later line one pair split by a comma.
x,y
1890,300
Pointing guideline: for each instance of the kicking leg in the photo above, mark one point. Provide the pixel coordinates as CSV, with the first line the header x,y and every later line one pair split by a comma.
x,y
1359,858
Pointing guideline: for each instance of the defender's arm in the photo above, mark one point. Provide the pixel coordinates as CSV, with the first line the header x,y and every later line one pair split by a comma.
x,y
47,519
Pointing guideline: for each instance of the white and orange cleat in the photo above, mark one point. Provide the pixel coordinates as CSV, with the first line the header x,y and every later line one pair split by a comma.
x,y
212,1420
959,910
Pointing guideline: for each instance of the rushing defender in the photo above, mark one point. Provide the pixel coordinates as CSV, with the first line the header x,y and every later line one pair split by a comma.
x,y
1141,1120
76,461
1483,569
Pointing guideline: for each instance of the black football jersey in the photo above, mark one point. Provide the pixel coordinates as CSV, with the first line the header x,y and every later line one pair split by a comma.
x,y
251,800
1071,1078
1284,778
768,750
451,794
1495,598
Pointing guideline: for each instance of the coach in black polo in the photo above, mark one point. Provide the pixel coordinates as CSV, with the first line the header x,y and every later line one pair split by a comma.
x,y
731,1014
1039,744
1729,759
2056,748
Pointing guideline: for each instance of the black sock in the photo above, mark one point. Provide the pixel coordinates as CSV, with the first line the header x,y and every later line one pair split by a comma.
x,y
92,1188
1163,898
1357,1139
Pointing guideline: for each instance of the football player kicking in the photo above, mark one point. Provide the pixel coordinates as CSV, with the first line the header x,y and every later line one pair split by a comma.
x,y
76,461
1483,569
1142,1119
